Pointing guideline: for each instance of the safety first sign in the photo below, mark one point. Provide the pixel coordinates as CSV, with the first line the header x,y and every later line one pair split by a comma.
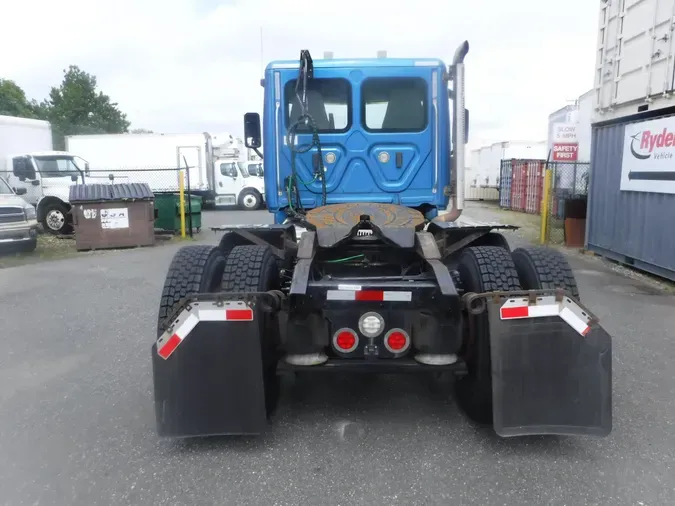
x,y
565,142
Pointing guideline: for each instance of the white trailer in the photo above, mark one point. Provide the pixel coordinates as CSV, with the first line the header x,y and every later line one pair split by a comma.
x,y
155,159
486,161
635,62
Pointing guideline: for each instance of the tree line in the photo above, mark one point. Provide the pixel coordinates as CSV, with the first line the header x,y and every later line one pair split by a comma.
x,y
74,107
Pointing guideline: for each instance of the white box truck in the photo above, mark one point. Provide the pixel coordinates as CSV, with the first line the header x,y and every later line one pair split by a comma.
x,y
41,176
154,158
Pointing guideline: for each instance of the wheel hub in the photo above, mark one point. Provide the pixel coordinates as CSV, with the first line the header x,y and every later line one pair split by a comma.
x,y
55,219
250,200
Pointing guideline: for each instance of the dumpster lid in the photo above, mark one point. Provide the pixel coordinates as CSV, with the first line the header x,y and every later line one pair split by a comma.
x,y
104,192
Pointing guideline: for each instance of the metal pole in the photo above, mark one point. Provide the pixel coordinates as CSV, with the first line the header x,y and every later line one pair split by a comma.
x,y
181,201
187,171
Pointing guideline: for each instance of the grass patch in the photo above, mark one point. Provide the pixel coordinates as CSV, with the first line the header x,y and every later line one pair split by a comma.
x,y
49,247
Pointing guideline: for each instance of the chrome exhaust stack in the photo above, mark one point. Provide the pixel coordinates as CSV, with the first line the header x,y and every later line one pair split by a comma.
x,y
457,167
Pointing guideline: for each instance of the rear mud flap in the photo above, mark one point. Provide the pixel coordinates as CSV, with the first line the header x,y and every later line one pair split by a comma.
x,y
208,374
551,368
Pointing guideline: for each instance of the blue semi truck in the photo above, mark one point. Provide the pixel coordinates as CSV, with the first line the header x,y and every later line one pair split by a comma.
x,y
386,276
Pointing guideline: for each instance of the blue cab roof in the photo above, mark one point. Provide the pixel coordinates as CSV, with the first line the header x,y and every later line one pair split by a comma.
x,y
359,62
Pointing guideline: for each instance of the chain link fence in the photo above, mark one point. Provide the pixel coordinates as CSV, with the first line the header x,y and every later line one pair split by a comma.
x,y
567,199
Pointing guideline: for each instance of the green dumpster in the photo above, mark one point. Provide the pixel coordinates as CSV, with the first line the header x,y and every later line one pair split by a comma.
x,y
167,212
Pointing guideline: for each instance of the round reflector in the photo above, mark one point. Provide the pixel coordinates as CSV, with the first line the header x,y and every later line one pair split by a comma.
x,y
345,340
396,341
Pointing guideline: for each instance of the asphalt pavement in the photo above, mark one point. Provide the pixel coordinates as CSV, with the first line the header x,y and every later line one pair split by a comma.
x,y
77,418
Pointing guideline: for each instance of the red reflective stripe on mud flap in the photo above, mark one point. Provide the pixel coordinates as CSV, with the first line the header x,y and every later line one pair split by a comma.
x,y
169,346
369,295
514,312
239,315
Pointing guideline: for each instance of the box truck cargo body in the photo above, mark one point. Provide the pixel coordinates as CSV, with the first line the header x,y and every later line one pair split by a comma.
x,y
146,158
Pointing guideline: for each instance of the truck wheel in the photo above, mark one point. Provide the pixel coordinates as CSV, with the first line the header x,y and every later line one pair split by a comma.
x,y
250,200
253,268
194,269
56,219
481,269
544,268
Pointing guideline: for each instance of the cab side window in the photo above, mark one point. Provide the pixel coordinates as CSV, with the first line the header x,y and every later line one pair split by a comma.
x,y
22,169
19,167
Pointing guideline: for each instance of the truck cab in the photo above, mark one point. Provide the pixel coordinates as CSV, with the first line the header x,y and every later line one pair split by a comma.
x,y
44,179
235,186
384,132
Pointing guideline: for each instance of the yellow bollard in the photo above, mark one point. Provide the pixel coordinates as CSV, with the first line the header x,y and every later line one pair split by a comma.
x,y
181,193
546,190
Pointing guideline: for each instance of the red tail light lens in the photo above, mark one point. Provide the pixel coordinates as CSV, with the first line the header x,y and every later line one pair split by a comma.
x,y
345,340
397,341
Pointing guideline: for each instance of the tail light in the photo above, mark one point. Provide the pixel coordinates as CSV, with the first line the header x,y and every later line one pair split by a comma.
x,y
397,341
345,340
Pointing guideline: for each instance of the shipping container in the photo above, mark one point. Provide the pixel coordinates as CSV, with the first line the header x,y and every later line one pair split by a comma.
x,y
634,60
505,184
521,185
631,198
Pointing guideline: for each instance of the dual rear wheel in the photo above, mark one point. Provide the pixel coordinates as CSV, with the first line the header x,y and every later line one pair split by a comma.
x,y
491,269
253,268
207,269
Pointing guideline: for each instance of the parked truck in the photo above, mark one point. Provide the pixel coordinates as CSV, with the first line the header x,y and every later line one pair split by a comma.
x,y
154,158
363,161
40,175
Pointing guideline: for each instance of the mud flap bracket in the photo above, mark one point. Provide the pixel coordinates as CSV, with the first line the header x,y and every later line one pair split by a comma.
x,y
551,366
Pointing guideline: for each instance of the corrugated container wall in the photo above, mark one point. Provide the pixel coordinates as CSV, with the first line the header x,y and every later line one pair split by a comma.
x,y
633,225
634,60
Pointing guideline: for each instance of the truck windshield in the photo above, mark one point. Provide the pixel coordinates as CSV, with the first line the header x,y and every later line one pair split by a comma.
x,y
242,169
4,188
328,103
255,169
56,166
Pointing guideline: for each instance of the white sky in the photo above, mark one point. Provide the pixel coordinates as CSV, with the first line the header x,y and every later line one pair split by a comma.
x,y
195,65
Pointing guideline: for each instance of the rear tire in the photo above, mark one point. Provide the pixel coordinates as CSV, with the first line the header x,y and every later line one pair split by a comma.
x,y
253,268
194,269
481,269
544,268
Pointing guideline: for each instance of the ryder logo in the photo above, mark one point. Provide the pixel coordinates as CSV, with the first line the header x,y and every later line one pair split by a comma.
x,y
649,142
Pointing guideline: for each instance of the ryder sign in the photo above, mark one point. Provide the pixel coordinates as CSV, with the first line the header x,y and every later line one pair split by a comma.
x,y
649,157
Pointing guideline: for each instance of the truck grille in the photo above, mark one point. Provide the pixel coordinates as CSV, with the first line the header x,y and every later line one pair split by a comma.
x,y
12,215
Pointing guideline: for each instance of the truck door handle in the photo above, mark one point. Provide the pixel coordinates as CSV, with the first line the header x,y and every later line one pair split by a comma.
x,y
35,182
315,161
399,159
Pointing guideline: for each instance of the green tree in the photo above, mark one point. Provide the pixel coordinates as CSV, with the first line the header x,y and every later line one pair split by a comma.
x,y
13,102
77,107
